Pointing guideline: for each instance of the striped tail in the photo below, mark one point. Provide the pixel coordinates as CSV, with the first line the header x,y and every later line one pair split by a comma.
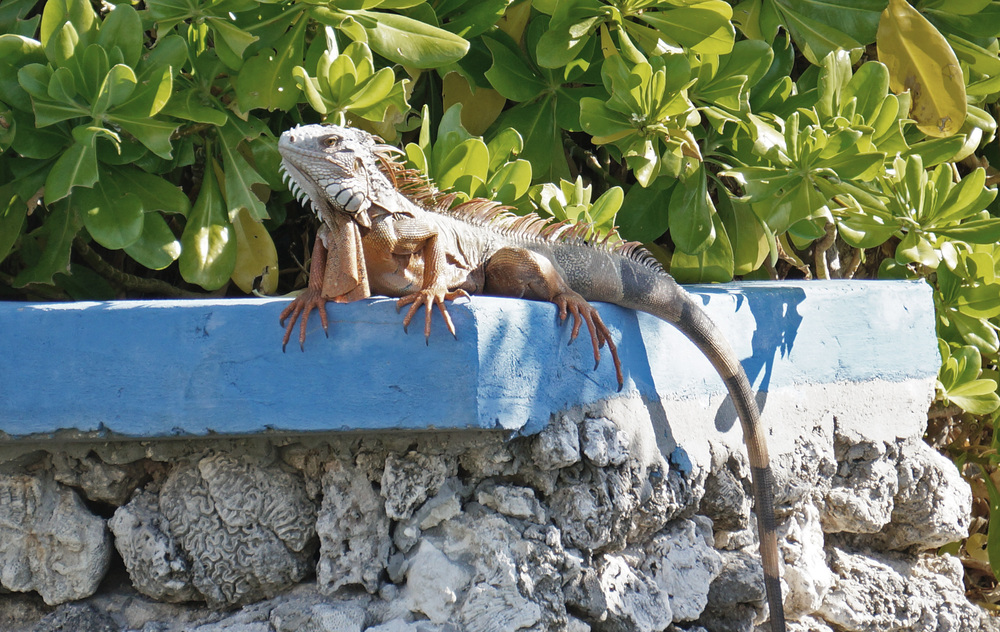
x,y
699,328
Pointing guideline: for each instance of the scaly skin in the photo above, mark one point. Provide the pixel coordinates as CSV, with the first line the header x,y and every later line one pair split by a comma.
x,y
385,233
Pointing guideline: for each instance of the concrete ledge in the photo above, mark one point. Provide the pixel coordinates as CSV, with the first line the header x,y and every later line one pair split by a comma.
x,y
147,369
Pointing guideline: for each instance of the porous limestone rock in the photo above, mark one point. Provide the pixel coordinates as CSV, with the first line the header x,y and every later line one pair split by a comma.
x,y
49,542
931,507
558,444
244,527
861,496
890,592
682,561
106,482
447,503
353,530
806,578
635,603
78,618
408,480
512,500
603,442
735,598
480,572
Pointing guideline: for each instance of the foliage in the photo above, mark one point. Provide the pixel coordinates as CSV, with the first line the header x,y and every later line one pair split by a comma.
x,y
751,139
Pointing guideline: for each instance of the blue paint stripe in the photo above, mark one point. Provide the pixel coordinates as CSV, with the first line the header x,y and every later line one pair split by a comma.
x,y
167,368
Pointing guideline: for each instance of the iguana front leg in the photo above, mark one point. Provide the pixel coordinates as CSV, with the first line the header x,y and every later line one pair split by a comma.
x,y
337,273
311,298
418,244
521,273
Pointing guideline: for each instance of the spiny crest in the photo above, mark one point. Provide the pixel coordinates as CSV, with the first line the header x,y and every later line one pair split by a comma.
x,y
418,188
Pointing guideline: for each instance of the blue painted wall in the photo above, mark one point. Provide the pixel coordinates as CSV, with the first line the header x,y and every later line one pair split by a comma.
x,y
183,368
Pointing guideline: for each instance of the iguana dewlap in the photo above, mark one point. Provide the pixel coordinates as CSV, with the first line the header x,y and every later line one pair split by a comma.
x,y
385,230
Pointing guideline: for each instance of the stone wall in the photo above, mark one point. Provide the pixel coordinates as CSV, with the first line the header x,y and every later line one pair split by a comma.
x,y
584,526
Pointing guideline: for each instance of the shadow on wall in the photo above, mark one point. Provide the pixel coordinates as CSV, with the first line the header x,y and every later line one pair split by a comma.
x,y
777,318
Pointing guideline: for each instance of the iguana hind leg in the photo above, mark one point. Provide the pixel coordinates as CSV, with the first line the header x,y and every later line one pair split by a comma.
x,y
521,273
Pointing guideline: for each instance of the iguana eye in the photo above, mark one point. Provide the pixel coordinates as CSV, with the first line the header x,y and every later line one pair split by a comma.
x,y
331,140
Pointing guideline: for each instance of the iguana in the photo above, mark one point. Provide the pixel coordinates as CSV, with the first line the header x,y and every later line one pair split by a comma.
x,y
385,229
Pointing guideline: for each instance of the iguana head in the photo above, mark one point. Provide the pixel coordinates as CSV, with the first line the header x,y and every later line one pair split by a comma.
x,y
334,169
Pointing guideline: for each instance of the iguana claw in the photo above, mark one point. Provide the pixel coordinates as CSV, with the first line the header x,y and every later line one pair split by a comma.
x,y
584,312
301,305
428,298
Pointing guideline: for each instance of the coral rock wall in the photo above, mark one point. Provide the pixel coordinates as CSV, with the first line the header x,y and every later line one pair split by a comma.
x,y
585,526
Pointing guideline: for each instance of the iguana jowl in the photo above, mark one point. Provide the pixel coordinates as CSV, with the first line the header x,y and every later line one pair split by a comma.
x,y
385,230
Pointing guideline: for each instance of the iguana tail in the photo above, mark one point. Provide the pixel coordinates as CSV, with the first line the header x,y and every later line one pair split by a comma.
x,y
699,329
639,283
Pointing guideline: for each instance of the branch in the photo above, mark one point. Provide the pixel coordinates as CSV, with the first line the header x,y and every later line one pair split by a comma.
x,y
127,281
819,253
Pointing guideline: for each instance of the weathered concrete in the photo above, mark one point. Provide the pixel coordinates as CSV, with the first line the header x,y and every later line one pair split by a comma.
x,y
216,367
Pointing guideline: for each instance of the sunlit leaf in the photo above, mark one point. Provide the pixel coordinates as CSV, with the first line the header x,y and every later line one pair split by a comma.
x,y
157,247
256,255
208,245
921,61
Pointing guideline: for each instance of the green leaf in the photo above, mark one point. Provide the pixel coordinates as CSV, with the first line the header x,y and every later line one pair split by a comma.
x,y
915,248
156,193
605,207
56,13
977,397
506,145
208,246
816,39
234,37
603,123
543,145
713,264
703,28
870,86
265,80
13,210
691,211
510,182
410,42
643,216
747,234
77,167
510,75
122,28
112,219
188,105
54,241
157,247
154,134
240,177
993,531
117,87
469,158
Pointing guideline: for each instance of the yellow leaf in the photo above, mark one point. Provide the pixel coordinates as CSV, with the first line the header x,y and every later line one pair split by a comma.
x,y
479,109
256,255
920,60
975,546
